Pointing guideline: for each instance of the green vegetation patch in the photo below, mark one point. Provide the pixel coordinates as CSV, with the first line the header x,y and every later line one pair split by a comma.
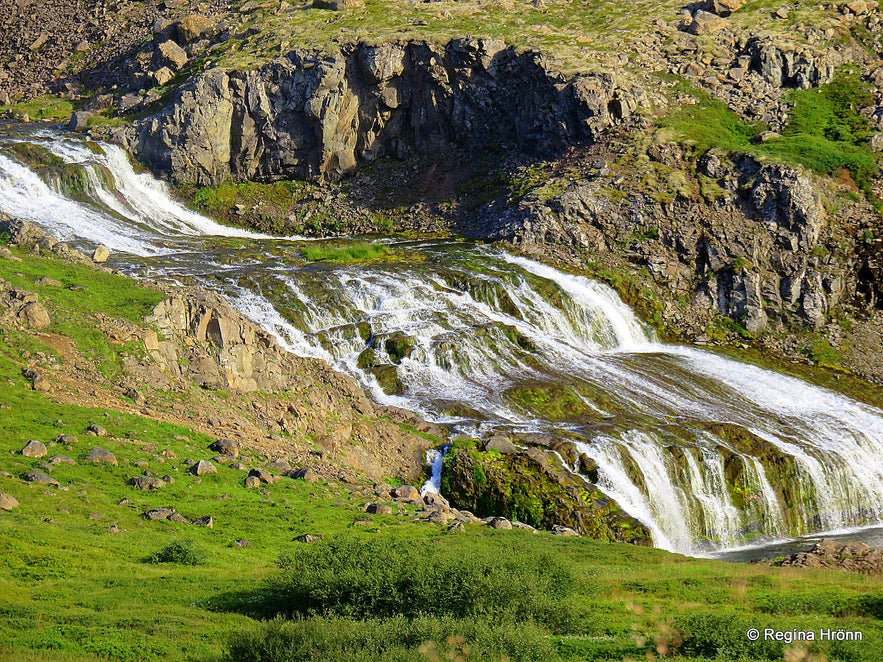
x,y
346,253
48,108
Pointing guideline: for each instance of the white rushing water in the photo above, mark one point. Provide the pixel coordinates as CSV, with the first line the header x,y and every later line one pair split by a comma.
x,y
707,452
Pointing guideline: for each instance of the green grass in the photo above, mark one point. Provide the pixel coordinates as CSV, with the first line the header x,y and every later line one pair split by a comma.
x,y
825,131
45,107
348,253
73,312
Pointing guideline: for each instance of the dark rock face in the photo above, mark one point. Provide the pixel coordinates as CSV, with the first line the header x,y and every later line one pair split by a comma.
x,y
310,115
849,556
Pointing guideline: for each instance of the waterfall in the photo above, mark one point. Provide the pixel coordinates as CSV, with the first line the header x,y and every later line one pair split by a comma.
x,y
706,451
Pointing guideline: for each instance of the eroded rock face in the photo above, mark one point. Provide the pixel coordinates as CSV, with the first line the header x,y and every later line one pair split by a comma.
x,y
310,115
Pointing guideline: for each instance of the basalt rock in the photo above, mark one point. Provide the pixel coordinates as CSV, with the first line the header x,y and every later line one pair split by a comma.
x,y
314,115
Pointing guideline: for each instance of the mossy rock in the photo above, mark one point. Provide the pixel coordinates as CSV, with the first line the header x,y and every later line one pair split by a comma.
x,y
34,156
532,487
399,346
388,379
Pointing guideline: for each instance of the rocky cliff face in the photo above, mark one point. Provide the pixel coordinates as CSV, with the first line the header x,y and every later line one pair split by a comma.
x,y
311,115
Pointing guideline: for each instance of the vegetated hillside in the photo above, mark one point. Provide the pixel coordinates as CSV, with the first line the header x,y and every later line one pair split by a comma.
x,y
130,532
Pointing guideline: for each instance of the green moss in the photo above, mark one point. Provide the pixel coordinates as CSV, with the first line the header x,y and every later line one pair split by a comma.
x,y
41,108
348,253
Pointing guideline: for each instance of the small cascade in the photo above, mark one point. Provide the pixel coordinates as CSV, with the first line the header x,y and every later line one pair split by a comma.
x,y
435,458
707,452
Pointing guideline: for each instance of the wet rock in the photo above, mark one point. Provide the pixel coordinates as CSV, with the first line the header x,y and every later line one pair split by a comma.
x,y
101,456
34,448
203,468
849,555
500,444
7,501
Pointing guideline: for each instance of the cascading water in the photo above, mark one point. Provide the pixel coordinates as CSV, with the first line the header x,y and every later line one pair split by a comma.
x,y
706,451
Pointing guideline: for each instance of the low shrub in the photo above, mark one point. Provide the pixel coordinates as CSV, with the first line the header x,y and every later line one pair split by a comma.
x,y
183,552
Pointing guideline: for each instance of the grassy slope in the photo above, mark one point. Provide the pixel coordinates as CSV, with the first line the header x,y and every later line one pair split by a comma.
x,y
72,590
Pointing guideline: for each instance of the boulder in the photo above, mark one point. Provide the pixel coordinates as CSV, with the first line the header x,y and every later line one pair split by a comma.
x,y
178,518
725,7
162,75
202,468
705,23
500,523
66,439
229,447
158,514
262,475
96,430
193,28
79,121
523,527
500,444
171,55
206,521
338,5
407,493
55,460
252,481
306,474
379,509
34,449
308,537
100,254
7,501
435,499
146,483
101,456
559,530
37,476
35,315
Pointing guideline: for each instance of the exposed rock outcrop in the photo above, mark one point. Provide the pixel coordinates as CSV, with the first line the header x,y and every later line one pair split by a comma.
x,y
311,115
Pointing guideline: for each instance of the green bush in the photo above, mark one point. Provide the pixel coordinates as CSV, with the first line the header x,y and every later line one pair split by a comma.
x,y
356,578
395,640
184,552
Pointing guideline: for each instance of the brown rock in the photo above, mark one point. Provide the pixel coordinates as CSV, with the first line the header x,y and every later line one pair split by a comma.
x,y
146,483
206,521
34,448
194,28
379,509
159,514
37,476
7,501
705,23
41,383
202,468
101,456
169,54
726,7
35,315
100,254
500,523
229,447
407,493
252,481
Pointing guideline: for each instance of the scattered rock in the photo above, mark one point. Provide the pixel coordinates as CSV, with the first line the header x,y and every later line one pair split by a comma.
x,y
726,7
45,281
101,456
171,55
252,481
379,509
55,460
262,475
407,493
308,537
7,501
96,430
306,474
241,543
435,499
456,527
559,530
146,483
79,121
100,254
523,527
850,556
35,315
705,23
159,514
500,523
66,439
41,383
178,518
206,521
37,476
202,468
34,449
195,27
226,447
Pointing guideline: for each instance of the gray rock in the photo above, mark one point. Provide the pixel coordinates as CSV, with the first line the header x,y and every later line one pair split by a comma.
x,y
407,493
226,447
202,468
35,315
146,483
305,474
252,481
500,523
379,509
705,23
206,521
66,439
101,456
55,460
523,527
34,448
435,499
171,55
97,430
37,476
79,121
308,537
500,444
262,475
559,530
242,543
178,518
159,514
